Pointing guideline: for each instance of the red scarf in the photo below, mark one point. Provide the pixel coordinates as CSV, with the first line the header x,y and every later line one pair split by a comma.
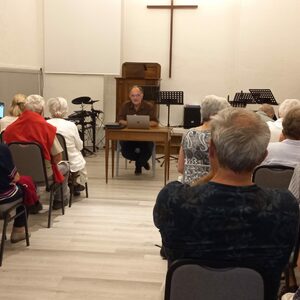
x,y
32,127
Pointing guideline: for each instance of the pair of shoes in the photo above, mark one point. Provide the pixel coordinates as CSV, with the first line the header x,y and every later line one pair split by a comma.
x,y
18,236
35,208
146,166
138,171
57,204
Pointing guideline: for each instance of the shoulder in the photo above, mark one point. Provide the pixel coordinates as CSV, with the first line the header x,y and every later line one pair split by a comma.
x,y
147,104
172,190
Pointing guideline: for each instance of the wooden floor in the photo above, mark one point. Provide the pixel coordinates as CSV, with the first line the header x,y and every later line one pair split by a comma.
x,y
102,248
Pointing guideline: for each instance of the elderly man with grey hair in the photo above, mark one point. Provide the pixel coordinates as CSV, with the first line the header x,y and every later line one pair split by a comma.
x,y
32,127
193,159
229,220
276,127
58,108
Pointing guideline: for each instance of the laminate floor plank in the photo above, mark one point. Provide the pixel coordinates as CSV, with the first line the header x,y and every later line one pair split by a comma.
x,y
102,248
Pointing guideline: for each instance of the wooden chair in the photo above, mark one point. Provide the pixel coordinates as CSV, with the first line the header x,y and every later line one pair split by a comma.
x,y
72,176
29,160
189,279
8,215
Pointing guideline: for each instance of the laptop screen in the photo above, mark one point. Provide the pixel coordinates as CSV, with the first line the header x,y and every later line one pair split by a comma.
x,y
1,110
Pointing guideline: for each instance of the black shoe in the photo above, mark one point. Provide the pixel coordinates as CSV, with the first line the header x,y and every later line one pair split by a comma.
x,y
147,166
76,193
35,208
57,204
79,188
138,171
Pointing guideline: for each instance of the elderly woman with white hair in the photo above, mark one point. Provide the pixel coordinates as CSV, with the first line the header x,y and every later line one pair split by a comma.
x,y
31,126
284,108
193,159
58,108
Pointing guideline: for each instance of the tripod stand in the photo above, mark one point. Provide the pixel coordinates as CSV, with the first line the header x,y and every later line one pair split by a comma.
x,y
82,123
170,98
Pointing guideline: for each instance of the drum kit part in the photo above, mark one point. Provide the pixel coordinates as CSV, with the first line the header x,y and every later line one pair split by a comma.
x,y
84,100
80,115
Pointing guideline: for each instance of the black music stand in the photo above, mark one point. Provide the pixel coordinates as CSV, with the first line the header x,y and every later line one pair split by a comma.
x,y
151,92
242,99
170,98
262,96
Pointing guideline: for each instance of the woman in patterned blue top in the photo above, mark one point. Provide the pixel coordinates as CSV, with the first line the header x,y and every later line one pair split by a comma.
x,y
193,159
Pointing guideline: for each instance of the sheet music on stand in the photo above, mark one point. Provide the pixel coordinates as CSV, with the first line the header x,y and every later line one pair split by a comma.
x,y
242,99
170,98
262,96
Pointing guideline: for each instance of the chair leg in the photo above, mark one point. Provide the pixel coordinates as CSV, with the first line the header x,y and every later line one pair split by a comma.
x,y
3,237
26,227
50,207
62,199
86,190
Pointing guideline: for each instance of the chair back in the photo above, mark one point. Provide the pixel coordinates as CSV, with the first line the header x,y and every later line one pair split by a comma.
x,y
1,137
190,280
273,176
63,144
29,160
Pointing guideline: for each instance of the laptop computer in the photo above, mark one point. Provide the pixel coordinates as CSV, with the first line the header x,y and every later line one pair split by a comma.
x,y
138,121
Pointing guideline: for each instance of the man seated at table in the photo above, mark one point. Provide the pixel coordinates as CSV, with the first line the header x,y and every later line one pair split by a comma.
x,y
230,220
137,151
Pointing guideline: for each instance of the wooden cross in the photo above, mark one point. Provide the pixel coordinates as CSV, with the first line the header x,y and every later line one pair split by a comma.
x,y
171,7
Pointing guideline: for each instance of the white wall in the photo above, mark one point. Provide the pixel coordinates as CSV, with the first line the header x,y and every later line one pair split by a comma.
x,y
220,48
73,86
21,34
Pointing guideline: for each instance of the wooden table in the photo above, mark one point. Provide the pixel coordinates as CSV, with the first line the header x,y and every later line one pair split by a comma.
x,y
154,134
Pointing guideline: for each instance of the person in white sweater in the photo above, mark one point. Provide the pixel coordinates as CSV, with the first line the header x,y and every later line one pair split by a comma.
x,y
287,151
58,108
284,108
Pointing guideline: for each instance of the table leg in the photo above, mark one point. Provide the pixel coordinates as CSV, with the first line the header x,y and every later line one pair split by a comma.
x,y
106,156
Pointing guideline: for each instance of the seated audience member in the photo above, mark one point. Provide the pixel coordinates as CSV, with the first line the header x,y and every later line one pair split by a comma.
x,y
229,219
10,192
31,126
193,159
140,152
266,112
58,108
287,151
292,296
276,127
15,110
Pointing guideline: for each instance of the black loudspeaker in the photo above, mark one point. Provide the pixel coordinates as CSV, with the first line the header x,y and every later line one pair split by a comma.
x,y
191,116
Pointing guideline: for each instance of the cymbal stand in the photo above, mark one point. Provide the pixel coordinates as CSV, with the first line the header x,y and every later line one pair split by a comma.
x,y
82,133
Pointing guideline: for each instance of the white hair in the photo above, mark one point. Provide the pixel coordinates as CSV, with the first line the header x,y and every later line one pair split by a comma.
x,y
211,105
58,107
287,105
240,138
35,103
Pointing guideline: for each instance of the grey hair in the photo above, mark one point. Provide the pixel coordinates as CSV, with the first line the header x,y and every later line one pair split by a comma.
x,y
240,138
211,105
35,103
286,105
58,107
